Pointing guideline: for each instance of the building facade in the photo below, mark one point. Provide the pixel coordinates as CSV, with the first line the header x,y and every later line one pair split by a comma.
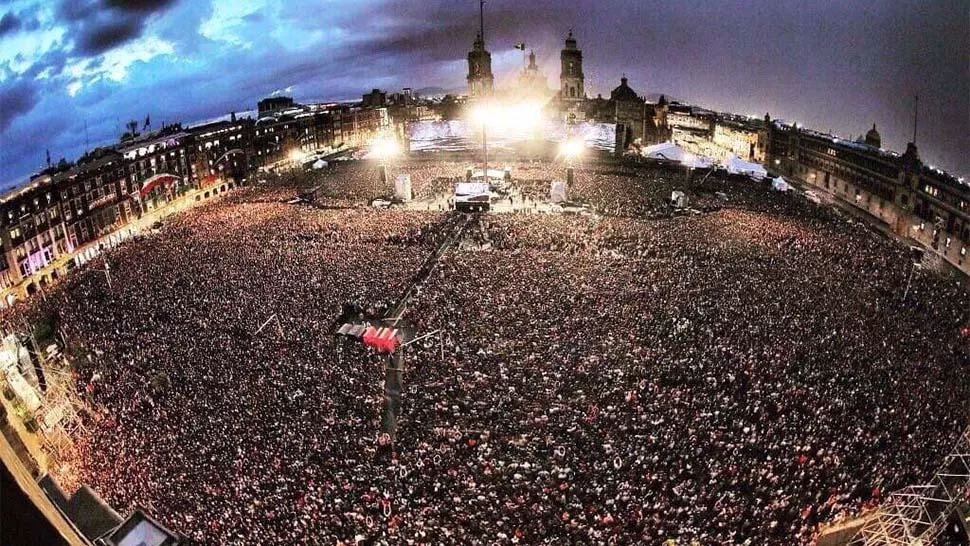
x,y
744,139
532,83
222,150
638,121
899,192
159,166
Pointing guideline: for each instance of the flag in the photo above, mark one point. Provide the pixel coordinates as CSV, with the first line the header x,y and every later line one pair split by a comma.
x,y
520,45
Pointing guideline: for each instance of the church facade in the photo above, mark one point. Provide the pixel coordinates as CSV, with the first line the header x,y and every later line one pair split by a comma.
x,y
638,121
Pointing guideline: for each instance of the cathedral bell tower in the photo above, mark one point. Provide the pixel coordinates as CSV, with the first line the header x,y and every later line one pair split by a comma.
x,y
480,79
571,78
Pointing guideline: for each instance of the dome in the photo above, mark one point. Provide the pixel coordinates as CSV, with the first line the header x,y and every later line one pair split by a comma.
x,y
873,138
623,92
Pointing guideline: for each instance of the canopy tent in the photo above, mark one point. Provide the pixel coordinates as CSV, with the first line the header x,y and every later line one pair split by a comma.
x,y
736,165
672,152
158,179
779,184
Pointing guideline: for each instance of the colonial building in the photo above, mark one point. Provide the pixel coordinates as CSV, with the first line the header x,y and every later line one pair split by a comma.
x,y
480,79
743,138
532,83
60,211
896,191
683,116
375,99
637,120
222,150
159,166
271,105
571,78
95,197
572,86
287,136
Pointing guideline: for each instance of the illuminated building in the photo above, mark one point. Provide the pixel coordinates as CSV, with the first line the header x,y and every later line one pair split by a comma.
x,y
531,82
152,158
743,139
637,120
572,90
896,191
222,150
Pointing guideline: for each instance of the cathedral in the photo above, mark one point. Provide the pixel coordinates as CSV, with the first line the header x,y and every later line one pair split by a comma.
x,y
531,82
480,78
637,120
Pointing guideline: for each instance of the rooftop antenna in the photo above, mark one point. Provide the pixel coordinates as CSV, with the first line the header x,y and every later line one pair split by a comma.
x,y
915,117
481,20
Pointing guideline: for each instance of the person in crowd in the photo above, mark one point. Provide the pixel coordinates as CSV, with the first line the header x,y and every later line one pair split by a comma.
x,y
629,377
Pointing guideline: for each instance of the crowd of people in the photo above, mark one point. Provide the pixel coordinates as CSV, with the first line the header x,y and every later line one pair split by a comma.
x,y
725,378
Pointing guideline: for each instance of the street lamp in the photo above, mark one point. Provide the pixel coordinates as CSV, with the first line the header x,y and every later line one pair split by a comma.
x,y
571,149
384,148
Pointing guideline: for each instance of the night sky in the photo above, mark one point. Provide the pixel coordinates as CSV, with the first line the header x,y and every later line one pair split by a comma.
x,y
833,65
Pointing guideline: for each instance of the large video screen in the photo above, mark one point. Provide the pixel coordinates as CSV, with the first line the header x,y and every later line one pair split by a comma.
x,y
144,534
462,135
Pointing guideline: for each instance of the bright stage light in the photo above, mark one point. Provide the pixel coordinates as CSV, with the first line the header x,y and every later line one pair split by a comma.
x,y
384,148
296,155
572,148
516,116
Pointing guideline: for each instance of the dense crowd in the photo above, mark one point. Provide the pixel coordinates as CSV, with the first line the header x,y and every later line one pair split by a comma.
x,y
736,376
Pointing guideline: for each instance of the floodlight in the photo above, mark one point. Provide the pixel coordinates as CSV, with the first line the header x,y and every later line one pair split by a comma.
x,y
572,148
384,148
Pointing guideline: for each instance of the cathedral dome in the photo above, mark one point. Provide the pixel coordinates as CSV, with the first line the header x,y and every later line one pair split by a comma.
x,y
873,138
623,92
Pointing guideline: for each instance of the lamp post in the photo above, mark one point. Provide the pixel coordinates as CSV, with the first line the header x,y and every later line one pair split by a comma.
x,y
383,148
571,149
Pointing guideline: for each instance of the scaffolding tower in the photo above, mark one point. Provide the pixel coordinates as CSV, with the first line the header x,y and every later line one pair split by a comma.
x,y
918,514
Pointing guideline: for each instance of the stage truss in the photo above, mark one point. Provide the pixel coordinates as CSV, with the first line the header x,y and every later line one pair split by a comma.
x,y
917,515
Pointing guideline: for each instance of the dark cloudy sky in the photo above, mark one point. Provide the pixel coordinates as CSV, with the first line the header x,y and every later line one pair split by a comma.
x,y
836,65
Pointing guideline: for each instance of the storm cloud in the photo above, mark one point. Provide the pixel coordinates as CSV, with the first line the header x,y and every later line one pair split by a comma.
x,y
833,66
16,99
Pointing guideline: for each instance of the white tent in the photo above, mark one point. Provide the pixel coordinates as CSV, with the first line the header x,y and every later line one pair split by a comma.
x,y
736,165
673,152
319,164
402,187
558,192
779,184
